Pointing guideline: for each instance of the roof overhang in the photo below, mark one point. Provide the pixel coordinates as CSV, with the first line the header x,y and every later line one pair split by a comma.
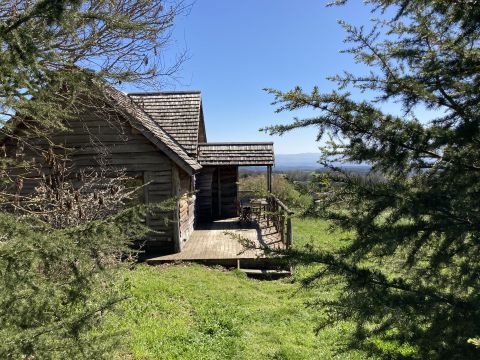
x,y
236,154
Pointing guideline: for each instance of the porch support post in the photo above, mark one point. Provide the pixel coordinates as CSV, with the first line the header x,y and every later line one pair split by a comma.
x,y
269,178
219,185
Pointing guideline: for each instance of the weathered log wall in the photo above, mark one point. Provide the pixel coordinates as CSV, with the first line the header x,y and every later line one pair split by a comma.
x,y
102,139
186,209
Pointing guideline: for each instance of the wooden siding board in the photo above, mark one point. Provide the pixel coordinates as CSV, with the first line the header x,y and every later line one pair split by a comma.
x,y
137,156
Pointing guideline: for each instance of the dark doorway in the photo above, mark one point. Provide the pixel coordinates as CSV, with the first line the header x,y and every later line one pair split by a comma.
x,y
217,196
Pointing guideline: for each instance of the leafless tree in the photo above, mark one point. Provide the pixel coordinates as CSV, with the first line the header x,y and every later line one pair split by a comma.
x,y
56,59
51,50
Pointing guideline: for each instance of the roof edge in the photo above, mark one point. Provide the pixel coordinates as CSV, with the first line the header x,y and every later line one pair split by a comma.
x,y
238,143
147,93
206,163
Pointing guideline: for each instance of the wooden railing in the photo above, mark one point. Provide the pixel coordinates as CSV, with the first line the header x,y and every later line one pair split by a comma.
x,y
281,217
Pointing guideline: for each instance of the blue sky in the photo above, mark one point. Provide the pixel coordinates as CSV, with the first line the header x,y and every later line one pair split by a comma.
x,y
237,48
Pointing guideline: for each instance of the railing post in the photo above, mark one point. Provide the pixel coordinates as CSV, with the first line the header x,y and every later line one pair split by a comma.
x,y
268,210
277,219
280,217
282,226
289,231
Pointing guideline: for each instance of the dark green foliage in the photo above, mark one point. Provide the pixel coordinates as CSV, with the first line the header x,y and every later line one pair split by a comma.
x,y
256,185
58,283
57,280
412,269
56,286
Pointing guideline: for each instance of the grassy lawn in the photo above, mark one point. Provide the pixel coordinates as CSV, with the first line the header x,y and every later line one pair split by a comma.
x,y
195,312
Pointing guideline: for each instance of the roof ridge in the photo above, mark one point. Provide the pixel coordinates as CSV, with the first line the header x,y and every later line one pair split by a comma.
x,y
199,118
237,143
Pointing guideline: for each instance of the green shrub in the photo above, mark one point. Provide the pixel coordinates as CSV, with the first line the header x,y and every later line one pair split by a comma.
x,y
281,187
56,285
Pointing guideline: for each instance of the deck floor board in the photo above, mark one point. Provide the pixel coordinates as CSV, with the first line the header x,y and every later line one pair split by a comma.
x,y
211,241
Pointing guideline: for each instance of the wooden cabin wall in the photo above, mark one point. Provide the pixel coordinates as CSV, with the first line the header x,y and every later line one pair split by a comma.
x,y
100,139
185,207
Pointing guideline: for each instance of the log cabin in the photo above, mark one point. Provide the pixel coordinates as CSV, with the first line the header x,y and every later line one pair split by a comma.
x,y
159,138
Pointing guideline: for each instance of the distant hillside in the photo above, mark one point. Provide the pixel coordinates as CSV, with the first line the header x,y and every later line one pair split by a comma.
x,y
305,161
309,162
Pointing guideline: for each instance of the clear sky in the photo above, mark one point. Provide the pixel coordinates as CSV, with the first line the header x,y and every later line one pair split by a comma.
x,y
237,48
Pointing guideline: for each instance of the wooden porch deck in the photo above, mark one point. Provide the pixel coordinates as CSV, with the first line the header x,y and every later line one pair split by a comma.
x,y
211,241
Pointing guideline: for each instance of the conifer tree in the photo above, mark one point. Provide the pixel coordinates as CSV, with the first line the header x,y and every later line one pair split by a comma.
x,y
61,252
410,273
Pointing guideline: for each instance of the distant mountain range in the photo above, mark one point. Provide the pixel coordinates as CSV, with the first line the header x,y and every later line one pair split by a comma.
x,y
304,161
307,161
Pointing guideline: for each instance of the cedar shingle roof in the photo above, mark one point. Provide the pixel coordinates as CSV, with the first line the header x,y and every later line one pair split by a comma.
x,y
153,131
241,153
173,120
178,113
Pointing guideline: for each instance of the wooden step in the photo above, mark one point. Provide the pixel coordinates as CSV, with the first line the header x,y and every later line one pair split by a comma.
x,y
266,273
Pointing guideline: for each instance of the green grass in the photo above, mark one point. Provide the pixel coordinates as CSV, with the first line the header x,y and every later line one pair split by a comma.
x,y
316,232
196,312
